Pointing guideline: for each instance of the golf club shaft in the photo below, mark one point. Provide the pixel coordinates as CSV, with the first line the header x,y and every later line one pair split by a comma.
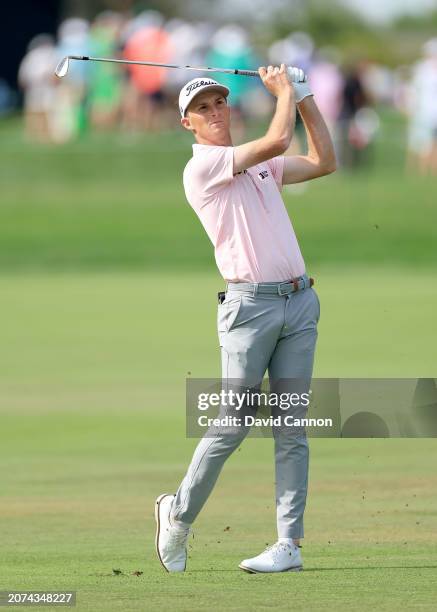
x,y
139,63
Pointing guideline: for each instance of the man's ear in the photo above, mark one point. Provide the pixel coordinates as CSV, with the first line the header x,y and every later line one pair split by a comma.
x,y
186,123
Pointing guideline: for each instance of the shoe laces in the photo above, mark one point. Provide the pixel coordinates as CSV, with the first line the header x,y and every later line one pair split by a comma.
x,y
177,538
277,548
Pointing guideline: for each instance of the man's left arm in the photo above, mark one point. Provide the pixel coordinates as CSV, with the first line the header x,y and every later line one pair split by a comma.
x,y
320,159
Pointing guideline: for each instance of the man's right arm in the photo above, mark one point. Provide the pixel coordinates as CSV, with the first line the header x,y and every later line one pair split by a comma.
x,y
278,137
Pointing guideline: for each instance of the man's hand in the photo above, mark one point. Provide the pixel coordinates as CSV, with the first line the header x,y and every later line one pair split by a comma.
x,y
296,75
276,80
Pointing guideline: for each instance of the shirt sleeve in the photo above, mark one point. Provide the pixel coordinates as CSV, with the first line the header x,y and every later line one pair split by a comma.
x,y
211,170
276,165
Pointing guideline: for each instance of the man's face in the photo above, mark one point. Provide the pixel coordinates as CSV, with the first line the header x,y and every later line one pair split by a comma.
x,y
208,117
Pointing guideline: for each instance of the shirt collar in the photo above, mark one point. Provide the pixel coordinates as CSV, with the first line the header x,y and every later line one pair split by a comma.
x,y
198,148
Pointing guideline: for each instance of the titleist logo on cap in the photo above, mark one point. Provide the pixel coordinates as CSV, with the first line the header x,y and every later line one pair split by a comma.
x,y
194,86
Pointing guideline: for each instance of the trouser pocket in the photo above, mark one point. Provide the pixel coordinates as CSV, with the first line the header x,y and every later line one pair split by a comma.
x,y
227,313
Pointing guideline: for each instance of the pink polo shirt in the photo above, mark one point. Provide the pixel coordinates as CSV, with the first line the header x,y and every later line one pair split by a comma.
x,y
244,216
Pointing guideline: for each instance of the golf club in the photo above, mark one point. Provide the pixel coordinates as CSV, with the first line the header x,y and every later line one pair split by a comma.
x,y
296,74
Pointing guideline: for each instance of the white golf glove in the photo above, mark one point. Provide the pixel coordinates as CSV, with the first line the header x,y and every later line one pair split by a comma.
x,y
296,75
301,91
299,80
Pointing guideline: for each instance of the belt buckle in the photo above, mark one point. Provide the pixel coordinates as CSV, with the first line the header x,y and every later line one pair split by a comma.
x,y
280,292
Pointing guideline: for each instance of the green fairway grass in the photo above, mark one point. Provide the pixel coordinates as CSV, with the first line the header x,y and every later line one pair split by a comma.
x,y
135,329
108,301
79,503
108,202
93,422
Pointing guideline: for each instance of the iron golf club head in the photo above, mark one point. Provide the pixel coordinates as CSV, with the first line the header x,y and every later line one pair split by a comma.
x,y
64,64
62,67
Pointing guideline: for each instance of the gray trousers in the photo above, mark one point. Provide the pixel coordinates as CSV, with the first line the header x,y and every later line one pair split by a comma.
x,y
261,327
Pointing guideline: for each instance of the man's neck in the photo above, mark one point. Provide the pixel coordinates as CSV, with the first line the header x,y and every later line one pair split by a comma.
x,y
225,142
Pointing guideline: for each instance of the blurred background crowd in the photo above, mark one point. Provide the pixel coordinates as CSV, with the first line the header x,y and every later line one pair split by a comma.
x,y
351,83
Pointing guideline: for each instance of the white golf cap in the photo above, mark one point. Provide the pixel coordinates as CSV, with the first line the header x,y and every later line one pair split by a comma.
x,y
194,87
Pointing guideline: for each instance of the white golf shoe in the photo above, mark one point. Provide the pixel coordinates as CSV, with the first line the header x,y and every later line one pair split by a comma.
x,y
171,540
280,557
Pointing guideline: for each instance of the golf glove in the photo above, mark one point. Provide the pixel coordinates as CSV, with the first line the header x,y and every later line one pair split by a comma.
x,y
301,91
299,80
296,75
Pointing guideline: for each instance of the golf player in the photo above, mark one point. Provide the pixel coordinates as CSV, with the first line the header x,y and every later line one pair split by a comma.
x,y
269,315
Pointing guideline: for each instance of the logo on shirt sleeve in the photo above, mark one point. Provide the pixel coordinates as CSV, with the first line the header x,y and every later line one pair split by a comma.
x,y
263,175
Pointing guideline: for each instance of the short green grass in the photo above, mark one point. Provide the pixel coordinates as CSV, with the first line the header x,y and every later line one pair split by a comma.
x,y
108,302
81,505
110,203
92,421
